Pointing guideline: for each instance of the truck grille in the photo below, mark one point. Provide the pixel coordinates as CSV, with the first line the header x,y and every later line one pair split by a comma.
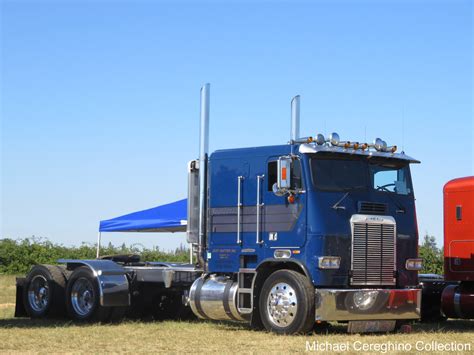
x,y
373,252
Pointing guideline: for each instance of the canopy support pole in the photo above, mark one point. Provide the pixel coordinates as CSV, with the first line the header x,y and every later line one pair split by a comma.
x,y
99,235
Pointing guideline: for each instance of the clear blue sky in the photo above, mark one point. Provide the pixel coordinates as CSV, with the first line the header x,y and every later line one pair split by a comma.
x,y
100,100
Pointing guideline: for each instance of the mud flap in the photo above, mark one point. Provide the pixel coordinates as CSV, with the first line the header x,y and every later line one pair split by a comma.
x,y
19,306
371,326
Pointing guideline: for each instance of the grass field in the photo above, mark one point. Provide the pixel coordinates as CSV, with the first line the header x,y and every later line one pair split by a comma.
x,y
25,335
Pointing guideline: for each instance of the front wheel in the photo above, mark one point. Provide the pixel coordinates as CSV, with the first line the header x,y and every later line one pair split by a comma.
x,y
83,297
286,303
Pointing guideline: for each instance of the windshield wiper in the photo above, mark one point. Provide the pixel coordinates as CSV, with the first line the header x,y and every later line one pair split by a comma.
x,y
336,205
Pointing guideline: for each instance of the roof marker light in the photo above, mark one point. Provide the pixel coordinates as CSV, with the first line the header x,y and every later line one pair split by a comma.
x,y
320,140
334,138
378,144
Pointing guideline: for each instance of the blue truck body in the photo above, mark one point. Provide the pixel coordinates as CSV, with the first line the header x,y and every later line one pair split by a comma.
x,y
310,227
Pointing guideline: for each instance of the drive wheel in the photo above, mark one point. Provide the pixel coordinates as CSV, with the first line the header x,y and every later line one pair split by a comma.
x,y
83,297
43,294
286,303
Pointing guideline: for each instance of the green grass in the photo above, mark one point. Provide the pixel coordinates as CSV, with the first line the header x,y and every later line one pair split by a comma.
x,y
46,336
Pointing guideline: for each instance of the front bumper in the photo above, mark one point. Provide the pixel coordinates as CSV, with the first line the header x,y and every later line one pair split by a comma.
x,y
367,304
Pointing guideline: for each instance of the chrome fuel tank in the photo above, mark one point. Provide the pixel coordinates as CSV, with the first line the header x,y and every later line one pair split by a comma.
x,y
214,297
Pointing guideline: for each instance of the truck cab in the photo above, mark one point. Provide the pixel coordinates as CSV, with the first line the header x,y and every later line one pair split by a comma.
x,y
343,217
331,194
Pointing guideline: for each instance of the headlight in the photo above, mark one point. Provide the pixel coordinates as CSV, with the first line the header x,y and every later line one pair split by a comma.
x,y
364,300
414,264
282,254
329,262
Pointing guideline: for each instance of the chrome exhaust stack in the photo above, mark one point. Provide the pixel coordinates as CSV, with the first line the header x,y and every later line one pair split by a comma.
x,y
295,119
203,156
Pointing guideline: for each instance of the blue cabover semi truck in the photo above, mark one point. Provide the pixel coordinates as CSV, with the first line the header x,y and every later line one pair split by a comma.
x,y
284,237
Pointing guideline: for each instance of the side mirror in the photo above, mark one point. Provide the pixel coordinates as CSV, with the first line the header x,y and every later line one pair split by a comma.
x,y
277,191
283,184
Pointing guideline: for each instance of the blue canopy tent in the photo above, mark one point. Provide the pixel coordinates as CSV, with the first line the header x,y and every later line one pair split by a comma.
x,y
171,217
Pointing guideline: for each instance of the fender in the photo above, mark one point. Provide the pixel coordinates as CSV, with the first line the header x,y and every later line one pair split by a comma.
x,y
298,263
111,277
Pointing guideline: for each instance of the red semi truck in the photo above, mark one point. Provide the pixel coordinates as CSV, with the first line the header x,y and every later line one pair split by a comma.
x,y
453,295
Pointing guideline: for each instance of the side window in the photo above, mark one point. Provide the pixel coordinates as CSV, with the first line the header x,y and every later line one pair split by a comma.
x,y
296,178
272,174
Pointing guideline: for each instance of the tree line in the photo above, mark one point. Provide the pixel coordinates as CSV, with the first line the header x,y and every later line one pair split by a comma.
x,y
18,256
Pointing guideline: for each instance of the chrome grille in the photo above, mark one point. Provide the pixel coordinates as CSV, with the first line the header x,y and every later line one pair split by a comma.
x,y
373,251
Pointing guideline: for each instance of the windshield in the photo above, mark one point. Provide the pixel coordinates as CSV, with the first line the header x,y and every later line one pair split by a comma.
x,y
339,175
390,177
331,173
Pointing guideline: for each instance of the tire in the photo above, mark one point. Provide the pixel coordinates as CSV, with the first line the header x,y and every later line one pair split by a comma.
x,y
83,297
296,315
44,292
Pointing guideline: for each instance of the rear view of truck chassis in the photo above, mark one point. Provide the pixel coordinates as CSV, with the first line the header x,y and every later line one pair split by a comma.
x,y
106,289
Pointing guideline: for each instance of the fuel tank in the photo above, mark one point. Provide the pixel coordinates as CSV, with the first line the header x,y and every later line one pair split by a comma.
x,y
214,297
457,301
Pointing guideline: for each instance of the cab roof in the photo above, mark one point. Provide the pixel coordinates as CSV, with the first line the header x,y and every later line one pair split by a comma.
x,y
307,148
460,184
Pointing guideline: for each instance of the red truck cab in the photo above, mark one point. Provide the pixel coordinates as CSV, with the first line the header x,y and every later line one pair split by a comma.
x,y
457,301
459,229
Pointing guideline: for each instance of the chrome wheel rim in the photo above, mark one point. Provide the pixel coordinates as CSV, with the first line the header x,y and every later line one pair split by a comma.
x,y
38,293
82,296
282,305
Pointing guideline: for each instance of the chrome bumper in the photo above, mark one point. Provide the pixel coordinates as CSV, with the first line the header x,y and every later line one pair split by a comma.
x,y
367,304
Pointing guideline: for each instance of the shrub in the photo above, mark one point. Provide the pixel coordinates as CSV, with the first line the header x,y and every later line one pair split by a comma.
x,y
18,256
433,260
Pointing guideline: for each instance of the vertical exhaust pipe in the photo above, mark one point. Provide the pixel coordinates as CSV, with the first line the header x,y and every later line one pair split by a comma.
x,y
203,156
295,119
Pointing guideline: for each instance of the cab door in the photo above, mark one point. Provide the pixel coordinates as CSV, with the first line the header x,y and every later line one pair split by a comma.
x,y
284,214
